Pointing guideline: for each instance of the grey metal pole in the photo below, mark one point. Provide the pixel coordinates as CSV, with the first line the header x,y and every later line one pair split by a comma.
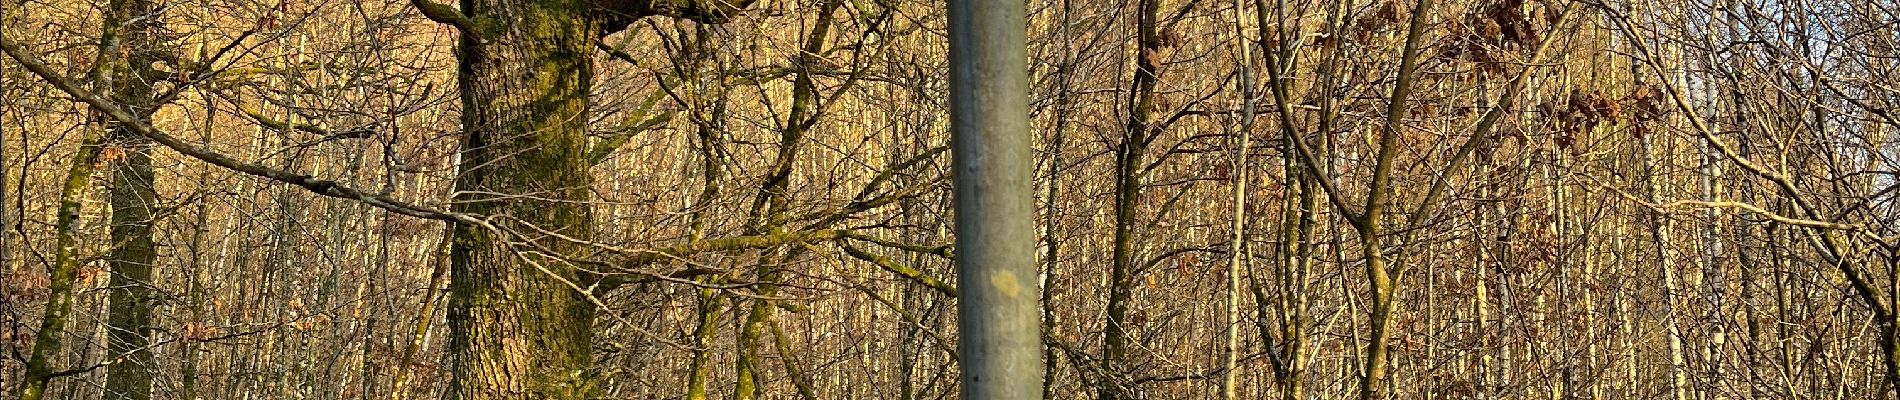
x,y
1000,346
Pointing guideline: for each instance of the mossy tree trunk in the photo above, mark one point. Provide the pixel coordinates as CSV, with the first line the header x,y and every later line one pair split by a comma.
x,y
131,30
519,328
771,206
1129,160
707,93
62,274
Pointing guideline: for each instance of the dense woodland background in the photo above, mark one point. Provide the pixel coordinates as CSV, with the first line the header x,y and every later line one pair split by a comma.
x,y
1485,199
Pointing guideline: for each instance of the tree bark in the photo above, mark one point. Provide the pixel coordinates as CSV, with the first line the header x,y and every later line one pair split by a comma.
x,y
1666,261
1382,281
519,327
1237,262
64,271
1128,183
131,30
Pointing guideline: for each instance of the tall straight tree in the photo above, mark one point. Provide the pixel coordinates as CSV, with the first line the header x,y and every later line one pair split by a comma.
x,y
1130,157
131,30
996,265
62,273
7,8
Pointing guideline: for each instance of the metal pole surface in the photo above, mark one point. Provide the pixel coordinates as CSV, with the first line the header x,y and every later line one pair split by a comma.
x,y
1000,346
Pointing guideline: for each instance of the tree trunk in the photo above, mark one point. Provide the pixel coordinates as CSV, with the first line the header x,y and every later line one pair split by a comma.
x,y
1236,248
772,204
1382,280
64,271
1128,183
1660,233
519,327
131,198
